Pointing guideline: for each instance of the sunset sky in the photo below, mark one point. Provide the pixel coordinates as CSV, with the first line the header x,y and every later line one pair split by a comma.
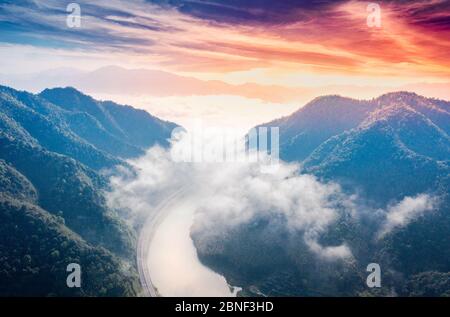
x,y
311,43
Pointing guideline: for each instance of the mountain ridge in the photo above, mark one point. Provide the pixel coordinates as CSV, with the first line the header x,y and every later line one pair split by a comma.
x,y
110,79
391,155
52,158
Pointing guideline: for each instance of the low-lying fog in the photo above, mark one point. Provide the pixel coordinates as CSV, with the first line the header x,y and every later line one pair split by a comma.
x,y
220,196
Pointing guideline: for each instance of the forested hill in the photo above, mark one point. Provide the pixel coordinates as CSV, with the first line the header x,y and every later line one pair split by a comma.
x,y
53,147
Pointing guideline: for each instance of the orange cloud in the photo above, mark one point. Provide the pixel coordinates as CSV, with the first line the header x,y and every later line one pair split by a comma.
x,y
321,38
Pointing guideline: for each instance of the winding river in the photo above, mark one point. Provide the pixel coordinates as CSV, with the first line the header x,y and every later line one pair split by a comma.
x,y
167,259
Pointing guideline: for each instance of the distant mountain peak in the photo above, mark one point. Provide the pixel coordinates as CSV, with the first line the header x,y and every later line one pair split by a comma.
x,y
411,100
400,94
397,111
330,100
327,116
399,98
65,90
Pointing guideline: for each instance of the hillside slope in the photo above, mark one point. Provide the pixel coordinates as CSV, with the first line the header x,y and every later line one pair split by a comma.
x,y
52,206
386,154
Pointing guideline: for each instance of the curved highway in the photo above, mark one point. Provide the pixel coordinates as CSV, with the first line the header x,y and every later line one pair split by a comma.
x,y
145,238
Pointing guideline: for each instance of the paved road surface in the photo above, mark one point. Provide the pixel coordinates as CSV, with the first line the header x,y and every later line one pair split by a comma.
x,y
145,238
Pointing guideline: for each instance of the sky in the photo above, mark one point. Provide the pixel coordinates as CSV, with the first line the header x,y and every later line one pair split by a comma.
x,y
310,44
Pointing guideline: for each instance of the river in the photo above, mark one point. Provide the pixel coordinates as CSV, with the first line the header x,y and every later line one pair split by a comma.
x,y
172,259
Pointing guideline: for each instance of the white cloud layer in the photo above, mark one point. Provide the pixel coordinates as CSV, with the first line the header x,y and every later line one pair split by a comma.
x,y
233,193
222,196
406,211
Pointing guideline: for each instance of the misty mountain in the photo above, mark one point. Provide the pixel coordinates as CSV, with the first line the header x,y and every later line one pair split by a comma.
x,y
379,151
116,80
53,150
118,130
401,139
316,122
404,142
